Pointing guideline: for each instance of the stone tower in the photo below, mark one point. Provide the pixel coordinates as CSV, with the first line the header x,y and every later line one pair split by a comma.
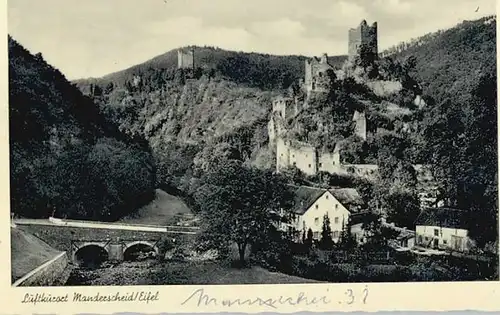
x,y
185,59
316,75
363,35
359,119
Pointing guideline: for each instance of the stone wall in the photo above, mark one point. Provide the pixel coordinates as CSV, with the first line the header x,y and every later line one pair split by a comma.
x,y
60,237
329,162
360,128
53,272
316,75
185,59
286,107
363,35
304,158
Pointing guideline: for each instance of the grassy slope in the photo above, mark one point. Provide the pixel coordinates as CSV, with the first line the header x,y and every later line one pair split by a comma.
x,y
27,253
161,211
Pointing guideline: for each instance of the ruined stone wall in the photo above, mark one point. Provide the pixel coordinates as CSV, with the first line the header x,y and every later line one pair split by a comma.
x,y
285,106
308,74
360,128
303,157
329,162
316,76
282,155
271,131
185,59
363,35
296,154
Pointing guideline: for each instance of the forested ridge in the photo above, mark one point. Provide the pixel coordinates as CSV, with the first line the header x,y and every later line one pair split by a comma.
x,y
66,158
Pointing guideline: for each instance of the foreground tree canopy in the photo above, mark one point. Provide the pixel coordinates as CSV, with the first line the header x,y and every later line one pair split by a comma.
x,y
239,205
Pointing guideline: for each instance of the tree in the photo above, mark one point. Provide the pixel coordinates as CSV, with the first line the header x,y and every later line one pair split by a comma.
x,y
237,205
326,241
461,144
377,235
366,56
309,238
403,208
347,240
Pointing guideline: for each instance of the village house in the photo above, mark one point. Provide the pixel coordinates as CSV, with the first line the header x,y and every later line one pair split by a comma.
x,y
311,204
442,228
405,238
357,222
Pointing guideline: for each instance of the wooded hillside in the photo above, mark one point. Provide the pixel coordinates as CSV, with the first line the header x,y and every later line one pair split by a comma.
x,y
66,158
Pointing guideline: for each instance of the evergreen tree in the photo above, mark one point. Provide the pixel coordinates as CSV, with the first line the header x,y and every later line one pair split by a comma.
x,y
326,241
347,241
309,239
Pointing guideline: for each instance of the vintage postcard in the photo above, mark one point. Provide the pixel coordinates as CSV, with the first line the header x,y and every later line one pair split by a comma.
x,y
249,156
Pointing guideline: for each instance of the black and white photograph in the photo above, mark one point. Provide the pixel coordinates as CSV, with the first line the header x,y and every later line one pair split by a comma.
x,y
230,142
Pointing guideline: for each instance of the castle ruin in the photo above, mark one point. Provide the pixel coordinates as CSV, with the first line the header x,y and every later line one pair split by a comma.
x,y
185,59
283,109
318,75
363,35
360,124
306,157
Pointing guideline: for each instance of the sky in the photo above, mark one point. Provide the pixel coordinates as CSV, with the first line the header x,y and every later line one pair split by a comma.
x,y
91,38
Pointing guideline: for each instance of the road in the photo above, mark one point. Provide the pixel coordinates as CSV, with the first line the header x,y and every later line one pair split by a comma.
x,y
107,225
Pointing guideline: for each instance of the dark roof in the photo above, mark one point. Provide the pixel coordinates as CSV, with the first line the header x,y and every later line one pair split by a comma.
x,y
362,217
347,196
305,196
443,217
406,235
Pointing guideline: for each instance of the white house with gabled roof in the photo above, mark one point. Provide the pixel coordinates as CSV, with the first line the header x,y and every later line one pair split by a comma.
x,y
443,228
311,204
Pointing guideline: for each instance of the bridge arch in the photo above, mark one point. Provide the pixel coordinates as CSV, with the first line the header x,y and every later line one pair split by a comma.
x,y
91,254
132,249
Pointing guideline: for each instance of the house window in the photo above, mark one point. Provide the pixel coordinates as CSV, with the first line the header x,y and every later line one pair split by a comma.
x,y
336,206
436,232
316,206
316,221
333,162
315,235
420,239
294,163
335,234
445,242
327,196
336,220
281,154
320,165
309,165
293,155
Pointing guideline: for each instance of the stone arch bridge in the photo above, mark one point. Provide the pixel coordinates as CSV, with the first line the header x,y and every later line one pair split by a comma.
x,y
113,240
